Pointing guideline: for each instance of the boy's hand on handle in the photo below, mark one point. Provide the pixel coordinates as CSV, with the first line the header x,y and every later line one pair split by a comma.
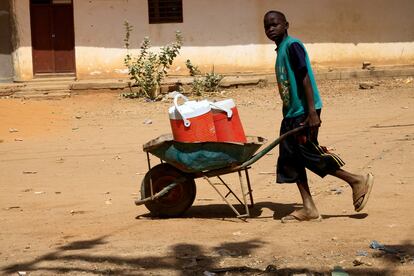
x,y
313,122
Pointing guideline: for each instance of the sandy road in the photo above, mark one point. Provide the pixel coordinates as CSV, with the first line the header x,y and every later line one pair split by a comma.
x,y
70,170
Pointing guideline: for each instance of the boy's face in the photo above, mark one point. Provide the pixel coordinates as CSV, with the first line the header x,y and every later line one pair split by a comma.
x,y
275,27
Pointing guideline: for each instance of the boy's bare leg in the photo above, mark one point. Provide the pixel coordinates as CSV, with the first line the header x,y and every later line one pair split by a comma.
x,y
361,186
357,182
309,207
309,210
354,180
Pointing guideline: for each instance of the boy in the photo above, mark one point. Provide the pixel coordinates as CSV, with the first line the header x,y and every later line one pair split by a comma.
x,y
302,106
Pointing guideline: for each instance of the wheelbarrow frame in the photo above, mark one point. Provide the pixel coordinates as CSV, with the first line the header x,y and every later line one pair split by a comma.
x,y
245,166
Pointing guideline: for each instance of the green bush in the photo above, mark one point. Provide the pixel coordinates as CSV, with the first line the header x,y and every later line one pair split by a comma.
x,y
197,86
192,68
212,81
208,82
148,69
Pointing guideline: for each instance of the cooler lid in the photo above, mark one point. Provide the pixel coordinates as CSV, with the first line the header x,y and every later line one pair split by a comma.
x,y
226,104
189,109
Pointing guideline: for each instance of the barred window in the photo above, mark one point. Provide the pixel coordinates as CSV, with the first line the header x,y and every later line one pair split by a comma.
x,y
165,11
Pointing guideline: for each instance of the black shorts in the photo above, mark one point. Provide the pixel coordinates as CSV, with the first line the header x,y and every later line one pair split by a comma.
x,y
301,151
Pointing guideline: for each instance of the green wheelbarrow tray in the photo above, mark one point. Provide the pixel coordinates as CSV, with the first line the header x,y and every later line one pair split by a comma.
x,y
202,156
210,156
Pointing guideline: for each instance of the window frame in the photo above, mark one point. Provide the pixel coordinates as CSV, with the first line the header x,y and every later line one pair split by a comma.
x,y
158,14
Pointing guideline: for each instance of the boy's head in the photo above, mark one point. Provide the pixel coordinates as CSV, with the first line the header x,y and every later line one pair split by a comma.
x,y
275,26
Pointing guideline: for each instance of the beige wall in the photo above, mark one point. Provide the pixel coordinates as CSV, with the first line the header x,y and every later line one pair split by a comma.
x,y
229,34
21,40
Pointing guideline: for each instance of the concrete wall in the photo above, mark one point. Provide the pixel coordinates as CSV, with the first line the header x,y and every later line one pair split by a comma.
x,y
21,40
229,34
6,68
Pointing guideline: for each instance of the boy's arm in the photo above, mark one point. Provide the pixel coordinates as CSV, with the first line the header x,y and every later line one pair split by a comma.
x,y
297,58
312,120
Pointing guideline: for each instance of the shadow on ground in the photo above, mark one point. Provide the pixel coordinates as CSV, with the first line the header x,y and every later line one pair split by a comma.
x,y
76,257
184,259
353,216
223,211
396,253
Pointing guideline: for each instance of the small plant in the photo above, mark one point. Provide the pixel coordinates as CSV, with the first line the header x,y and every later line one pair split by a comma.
x,y
209,82
148,69
197,86
212,81
192,68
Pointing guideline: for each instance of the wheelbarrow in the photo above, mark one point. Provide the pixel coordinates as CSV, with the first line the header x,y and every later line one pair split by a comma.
x,y
168,189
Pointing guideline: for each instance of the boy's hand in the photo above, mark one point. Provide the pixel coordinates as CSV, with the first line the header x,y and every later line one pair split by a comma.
x,y
312,121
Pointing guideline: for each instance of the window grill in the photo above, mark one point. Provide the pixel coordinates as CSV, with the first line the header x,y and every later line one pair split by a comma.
x,y
165,11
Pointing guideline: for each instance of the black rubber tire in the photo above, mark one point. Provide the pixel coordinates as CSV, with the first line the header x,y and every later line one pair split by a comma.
x,y
177,200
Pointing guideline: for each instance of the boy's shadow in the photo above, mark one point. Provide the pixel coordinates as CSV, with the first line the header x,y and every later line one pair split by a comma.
x,y
274,210
353,216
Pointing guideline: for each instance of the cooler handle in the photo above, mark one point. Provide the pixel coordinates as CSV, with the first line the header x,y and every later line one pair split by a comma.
x,y
187,122
227,110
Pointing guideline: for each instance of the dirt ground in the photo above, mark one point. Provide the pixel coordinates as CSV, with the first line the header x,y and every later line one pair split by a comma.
x,y
70,170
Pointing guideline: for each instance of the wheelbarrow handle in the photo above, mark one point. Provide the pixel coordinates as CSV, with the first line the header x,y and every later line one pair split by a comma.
x,y
276,142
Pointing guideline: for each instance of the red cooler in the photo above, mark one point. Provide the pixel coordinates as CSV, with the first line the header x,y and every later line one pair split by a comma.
x,y
227,122
192,121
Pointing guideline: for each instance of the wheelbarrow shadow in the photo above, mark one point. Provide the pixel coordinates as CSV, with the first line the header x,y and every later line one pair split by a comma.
x,y
260,210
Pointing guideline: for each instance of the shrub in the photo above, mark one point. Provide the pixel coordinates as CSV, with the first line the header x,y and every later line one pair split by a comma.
x,y
212,81
192,68
208,82
148,69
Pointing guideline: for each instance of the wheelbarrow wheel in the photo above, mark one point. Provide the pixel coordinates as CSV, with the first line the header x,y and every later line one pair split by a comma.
x,y
177,200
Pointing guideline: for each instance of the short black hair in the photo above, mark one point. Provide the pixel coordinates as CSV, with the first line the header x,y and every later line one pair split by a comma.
x,y
278,13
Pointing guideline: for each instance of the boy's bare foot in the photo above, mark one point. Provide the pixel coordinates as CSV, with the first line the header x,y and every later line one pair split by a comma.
x,y
302,215
361,192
